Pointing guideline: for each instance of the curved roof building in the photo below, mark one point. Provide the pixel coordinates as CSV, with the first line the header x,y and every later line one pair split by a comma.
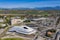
x,y
23,29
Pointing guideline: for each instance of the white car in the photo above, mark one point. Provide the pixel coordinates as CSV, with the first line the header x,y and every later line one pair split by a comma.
x,y
23,30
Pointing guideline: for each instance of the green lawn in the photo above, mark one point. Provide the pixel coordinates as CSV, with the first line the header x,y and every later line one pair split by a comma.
x,y
13,39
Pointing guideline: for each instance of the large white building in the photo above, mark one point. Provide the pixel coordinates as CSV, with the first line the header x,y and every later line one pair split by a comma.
x,y
23,29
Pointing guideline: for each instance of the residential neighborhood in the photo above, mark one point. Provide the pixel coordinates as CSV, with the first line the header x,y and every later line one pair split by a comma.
x,y
39,28
29,19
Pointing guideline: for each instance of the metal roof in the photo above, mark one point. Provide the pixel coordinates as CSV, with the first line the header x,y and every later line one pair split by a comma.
x,y
23,29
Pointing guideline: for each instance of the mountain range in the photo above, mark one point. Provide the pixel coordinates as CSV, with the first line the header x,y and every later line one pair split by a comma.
x,y
36,8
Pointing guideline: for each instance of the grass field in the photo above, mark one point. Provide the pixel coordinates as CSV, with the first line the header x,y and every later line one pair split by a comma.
x,y
12,39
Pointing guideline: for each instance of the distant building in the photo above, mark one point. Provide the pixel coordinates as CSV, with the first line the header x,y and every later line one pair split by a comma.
x,y
2,25
23,29
1,20
40,18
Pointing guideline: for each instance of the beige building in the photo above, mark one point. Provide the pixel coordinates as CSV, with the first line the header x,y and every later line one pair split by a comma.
x,y
16,21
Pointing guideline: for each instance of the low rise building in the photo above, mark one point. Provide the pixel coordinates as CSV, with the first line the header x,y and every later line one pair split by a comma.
x,y
1,20
57,37
16,21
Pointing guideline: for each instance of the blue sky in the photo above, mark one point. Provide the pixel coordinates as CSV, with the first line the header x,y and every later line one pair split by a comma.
x,y
28,3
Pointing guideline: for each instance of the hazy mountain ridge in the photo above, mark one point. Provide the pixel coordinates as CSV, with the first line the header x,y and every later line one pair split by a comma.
x,y
37,8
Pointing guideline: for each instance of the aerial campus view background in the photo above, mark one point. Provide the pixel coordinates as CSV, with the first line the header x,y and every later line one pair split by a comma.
x,y
29,19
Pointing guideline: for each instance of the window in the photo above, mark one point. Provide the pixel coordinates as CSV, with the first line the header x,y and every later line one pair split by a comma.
x,y
25,28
